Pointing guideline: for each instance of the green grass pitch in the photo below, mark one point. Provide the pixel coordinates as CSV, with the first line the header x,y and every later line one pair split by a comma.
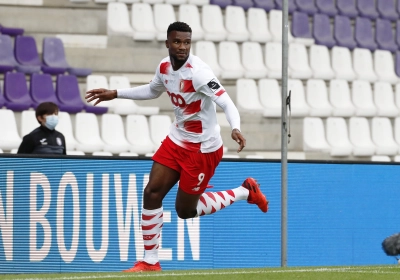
x,y
306,273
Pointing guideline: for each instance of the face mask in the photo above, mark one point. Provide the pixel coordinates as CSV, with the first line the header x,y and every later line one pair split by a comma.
x,y
51,121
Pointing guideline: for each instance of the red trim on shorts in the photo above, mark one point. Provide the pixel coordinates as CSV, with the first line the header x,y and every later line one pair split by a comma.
x,y
193,126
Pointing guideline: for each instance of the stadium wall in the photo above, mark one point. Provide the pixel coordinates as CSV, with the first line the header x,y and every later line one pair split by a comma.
x,y
83,214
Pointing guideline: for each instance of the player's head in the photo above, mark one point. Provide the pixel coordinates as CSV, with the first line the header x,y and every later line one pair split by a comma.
x,y
179,37
44,110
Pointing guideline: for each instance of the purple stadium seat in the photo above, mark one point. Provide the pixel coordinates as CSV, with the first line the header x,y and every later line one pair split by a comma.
x,y
54,56
11,31
306,6
397,66
28,57
397,37
292,5
387,9
300,25
2,101
222,3
322,31
68,93
267,5
384,35
7,60
16,92
364,34
343,32
326,7
347,8
367,8
245,4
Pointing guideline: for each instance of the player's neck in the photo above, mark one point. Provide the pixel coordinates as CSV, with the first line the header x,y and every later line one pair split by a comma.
x,y
176,65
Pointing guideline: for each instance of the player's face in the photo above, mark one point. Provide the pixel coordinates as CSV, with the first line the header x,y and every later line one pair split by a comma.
x,y
178,44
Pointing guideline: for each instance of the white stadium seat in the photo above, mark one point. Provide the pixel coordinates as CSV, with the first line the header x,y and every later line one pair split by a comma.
x,y
275,25
207,52
299,105
380,158
384,66
317,98
103,1
140,143
252,61
164,15
113,134
384,100
314,136
28,122
102,153
143,22
212,22
397,95
247,96
342,64
128,106
159,128
338,137
382,136
362,98
129,1
270,97
229,60
176,2
235,24
298,62
257,23
190,14
1,151
360,137
320,62
340,98
9,136
87,133
152,2
273,60
118,22
397,130
363,66
199,2
128,154
75,153
65,127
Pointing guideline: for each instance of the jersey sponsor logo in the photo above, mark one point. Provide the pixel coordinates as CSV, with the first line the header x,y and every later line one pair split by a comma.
x,y
213,85
196,189
59,142
43,141
177,99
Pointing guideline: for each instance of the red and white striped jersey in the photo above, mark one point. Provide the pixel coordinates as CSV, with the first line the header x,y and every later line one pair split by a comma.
x,y
192,90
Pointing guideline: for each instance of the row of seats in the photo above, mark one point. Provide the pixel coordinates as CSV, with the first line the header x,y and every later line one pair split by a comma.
x,y
251,61
317,100
358,136
22,55
138,135
387,9
146,23
18,97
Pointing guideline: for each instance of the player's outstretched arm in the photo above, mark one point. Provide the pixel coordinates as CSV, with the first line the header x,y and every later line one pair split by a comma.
x,y
238,137
100,94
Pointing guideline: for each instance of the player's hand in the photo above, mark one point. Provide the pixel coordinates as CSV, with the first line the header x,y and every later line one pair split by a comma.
x,y
238,137
100,94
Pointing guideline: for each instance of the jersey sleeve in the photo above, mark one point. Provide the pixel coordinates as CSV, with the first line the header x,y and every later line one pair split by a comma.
x,y
27,146
206,82
157,82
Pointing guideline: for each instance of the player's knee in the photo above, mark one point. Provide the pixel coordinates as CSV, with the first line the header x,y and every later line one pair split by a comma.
x,y
186,213
152,195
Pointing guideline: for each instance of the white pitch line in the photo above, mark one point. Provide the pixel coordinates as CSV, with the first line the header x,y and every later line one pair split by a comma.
x,y
374,270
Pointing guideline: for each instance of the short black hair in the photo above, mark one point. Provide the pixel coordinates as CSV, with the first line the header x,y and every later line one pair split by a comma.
x,y
46,108
179,26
